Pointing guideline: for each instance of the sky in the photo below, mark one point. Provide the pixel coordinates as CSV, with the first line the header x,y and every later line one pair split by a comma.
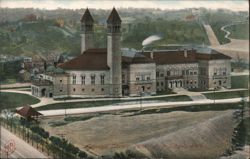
x,y
235,5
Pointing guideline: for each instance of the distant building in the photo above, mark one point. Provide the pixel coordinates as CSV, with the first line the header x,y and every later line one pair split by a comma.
x,y
116,72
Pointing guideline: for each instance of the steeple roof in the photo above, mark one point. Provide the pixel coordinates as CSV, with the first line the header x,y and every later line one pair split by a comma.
x,y
87,17
114,17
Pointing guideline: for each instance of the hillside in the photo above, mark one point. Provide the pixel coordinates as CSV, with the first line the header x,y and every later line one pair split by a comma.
x,y
171,134
204,140
31,38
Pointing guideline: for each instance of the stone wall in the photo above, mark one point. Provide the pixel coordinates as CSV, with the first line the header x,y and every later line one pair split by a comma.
x,y
214,74
177,75
79,89
142,79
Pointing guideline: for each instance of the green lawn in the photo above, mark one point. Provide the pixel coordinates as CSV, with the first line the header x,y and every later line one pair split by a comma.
x,y
226,95
239,31
107,102
239,81
13,100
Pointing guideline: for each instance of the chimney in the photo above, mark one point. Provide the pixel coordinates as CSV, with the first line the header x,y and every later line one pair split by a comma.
x,y
185,53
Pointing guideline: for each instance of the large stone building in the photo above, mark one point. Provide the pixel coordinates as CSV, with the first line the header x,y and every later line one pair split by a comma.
x,y
116,72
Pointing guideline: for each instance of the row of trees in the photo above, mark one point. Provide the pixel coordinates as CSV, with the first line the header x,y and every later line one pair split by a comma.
x,y
55,146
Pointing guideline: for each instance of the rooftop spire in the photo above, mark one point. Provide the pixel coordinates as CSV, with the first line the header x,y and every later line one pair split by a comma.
x,y
114,17
87,18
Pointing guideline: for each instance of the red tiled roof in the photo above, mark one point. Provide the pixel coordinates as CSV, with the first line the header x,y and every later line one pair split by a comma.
x,y
172,57
92,59
28,111
114,17
213,56
87,18
136,59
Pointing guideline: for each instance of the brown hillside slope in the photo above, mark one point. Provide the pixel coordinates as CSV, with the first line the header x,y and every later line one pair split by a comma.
x,y
205,140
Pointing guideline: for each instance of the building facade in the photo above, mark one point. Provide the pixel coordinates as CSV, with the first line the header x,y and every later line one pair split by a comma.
x,y
117,72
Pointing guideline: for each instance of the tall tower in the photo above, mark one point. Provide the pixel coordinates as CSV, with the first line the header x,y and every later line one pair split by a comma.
x,y
114,52
87,35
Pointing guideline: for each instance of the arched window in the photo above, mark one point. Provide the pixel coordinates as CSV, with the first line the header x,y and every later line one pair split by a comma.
x,y
73,79
92,79
102,79
83,79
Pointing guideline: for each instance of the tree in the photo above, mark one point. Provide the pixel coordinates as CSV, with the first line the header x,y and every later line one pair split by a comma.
x,y
82,154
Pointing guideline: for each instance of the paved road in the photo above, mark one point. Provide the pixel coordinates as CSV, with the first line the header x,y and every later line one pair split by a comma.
x,y
136,106
23,150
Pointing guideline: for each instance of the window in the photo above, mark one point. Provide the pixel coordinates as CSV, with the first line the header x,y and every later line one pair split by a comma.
x,y
157,74
102,79
83,80
191,72
123,78
148,78
83,89
60,81
162,74
92,79
224,71
102,89
195,72
183,72
74,89
148,87
168,73
162,83
92,90
157,83
137,78
60,90
74,79
187,72
143,77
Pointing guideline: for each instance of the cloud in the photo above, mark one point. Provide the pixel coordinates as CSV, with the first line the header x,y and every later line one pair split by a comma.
x,y
169,4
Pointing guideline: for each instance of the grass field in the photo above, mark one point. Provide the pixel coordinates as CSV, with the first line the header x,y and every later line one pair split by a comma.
x,y
239,81
239,31
13,100
108,102
226,95
109,133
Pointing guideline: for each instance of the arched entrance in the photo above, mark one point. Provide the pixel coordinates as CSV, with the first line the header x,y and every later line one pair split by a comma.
x,y
43,92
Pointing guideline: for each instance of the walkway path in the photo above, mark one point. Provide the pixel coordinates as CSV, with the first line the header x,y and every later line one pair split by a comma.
x,y
193,95
236,48
137,106
15,85
211,35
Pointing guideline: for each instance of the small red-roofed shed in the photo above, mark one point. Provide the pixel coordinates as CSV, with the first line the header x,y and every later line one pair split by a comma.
x,y
28,112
